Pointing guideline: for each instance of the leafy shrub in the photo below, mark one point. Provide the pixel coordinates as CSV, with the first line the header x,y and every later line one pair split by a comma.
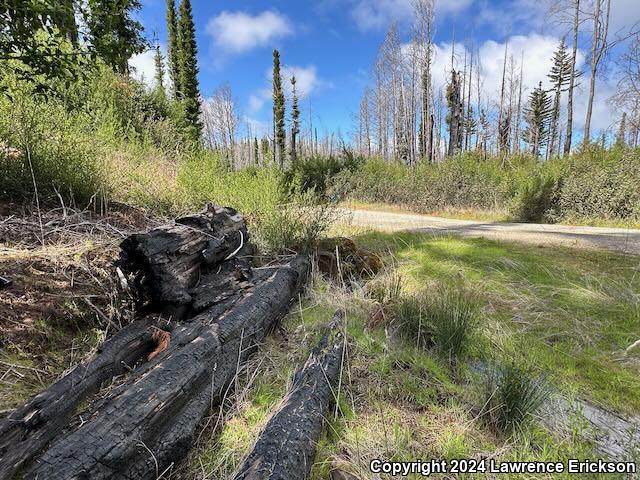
x,y
534,199
590,184
601,184
315,173
513,396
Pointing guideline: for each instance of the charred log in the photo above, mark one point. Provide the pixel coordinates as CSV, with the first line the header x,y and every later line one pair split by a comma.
x,y
166,371
168,261
286,447
145,424
29,428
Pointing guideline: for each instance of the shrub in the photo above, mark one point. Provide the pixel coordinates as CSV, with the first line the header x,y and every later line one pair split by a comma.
x,y
534,199
590,184
601,184
513,395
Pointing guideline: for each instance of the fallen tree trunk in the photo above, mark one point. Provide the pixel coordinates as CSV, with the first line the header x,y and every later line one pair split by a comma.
x,y
29,428
286,447
148,422
168,379
167,261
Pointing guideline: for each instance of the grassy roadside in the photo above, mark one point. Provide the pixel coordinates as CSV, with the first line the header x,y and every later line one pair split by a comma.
x,y
565,313
481,215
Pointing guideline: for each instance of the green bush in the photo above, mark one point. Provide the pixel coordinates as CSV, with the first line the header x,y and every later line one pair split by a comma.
x,y
315,173
591,184
110,137
534,199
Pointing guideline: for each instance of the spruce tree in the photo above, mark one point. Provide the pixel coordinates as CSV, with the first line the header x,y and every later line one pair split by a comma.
x,y
560,76
278,112
115,35
537,116
454,114
172,48
295,121
622,131
188,63
159,90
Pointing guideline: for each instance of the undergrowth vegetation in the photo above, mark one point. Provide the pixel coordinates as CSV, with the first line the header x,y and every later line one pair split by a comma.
x,y
588,186
402,399
112,139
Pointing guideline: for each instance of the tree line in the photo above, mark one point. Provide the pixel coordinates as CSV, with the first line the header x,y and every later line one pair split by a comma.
x,y
402,115
405,117
51,44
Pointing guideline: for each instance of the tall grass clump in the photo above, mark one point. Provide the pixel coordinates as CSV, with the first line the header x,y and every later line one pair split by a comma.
x,y
513,395
454,315
446,317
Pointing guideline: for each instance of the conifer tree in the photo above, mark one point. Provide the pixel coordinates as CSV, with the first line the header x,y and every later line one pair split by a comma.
x,y
278,112
295,120
537,116
402,140
560,77
188,63
115,35
172,48
454,114
256,152
159,74
622,131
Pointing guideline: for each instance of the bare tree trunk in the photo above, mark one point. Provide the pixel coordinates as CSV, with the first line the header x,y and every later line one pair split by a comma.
x,y
572,81
598,48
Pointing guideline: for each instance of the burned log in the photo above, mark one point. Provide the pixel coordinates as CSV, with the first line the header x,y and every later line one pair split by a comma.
x,y
29,428
167,261
166,372
286,446
148,422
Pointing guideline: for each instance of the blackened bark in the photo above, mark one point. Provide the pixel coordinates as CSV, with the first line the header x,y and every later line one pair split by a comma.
x,y
286,447
148,422
167,261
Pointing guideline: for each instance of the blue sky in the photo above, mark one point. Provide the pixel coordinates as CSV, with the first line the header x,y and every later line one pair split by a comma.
x,y
331,46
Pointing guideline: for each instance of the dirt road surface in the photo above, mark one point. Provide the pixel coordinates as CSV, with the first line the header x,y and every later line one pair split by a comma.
x,y
625,240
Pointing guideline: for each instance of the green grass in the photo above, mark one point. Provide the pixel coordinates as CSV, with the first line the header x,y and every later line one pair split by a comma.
x,y
401,401
570,312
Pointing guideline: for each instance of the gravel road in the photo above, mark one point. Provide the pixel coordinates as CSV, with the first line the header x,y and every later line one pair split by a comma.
x,y
625,240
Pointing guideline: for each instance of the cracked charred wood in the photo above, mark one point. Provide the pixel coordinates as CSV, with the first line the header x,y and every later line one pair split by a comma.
x,y
25,431
168,261
144,425
286,446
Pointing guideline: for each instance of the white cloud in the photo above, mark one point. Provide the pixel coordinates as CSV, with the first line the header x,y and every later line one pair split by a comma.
x,y
375,14
307,82
143,67
239,31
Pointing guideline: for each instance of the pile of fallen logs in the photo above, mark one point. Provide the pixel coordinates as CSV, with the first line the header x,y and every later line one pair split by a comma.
x,y
203,309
